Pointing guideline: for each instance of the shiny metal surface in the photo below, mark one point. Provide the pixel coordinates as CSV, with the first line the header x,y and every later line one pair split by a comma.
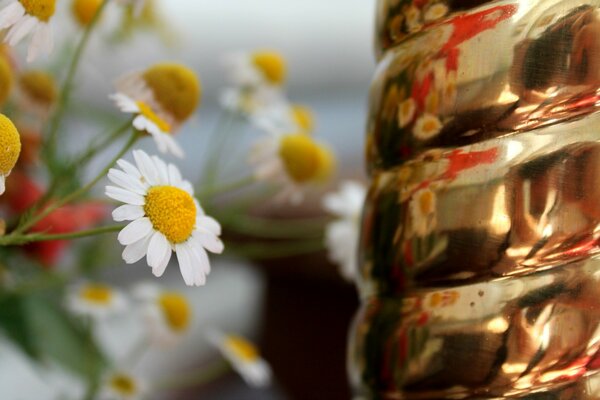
x,y
480,240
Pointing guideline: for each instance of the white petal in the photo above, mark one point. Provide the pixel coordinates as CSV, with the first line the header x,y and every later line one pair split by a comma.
x,y
124,196
157,250
209,223
146,166
124,103
128,212
130,169
21,29
11,14
158,139
210,242
2,183
202,258
136,251
173,147
174,175
159,270
135,231
162,169
127,181
185,263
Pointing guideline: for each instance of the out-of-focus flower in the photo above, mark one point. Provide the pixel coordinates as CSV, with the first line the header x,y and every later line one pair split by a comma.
x,y
164,97
292,161
423,211
283,117
96,300
38,91
120,385
165,217
22,17
6,79
85,10
167,314
342,235
243,357
427,126
137,5
10,148
251,69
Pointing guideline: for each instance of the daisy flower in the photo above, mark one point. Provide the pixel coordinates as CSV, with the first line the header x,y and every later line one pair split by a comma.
x,y
96,300
162,97
37,91
166,314
22,17
293,161
84,11
284,117
165,217
10,148
427,126
252,69
342,235
243,357
121,385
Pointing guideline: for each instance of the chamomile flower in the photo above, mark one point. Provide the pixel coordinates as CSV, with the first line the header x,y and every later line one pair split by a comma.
x,y
167,314
243,357
10,148
164,96
84,11
292,161
122,385
164,217
37,91
342,235
22,17
96,300
251,69
283,117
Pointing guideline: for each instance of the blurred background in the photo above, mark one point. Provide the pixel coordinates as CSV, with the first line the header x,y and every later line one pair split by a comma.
x,y
298,309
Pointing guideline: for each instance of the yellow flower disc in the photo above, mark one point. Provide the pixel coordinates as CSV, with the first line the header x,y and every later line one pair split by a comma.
x,y
300,156
96,293
272,65
85,10
327,163
172,212
6,79
242,348
176,310
123,384
39,86
41,9
10,145
304,117
175,87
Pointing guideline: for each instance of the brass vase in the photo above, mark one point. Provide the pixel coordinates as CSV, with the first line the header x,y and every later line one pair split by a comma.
x,y
480,275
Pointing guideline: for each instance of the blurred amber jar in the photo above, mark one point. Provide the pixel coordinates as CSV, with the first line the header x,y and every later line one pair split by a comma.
x,y
480,275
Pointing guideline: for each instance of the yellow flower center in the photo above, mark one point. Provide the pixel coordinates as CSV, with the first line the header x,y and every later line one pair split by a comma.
x,y
123,384
10,145
172,212
39,86
41,9
175,87
426,202
242,348
85,10
301,157
304,117
6,79
97,294
272,66
147,112
176,310
326,163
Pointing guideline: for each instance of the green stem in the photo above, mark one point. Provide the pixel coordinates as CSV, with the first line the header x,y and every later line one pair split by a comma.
x,y
67,87
78,193
12,240
215,145
195,379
